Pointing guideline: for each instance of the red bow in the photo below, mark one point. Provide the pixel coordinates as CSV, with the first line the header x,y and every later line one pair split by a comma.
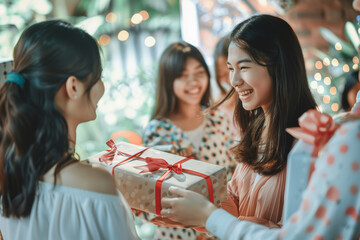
x,y
315,128
157,163
107,158
153,165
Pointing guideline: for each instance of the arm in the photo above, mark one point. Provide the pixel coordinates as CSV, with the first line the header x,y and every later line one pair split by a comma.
x,y
330,204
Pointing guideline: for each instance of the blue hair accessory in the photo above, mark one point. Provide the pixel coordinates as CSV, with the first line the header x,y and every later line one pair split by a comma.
x,y
16,78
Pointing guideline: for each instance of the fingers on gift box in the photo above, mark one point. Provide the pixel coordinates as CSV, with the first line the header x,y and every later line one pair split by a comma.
x,y
144,175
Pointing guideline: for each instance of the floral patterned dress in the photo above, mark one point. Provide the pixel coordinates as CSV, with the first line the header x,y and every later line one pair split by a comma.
x,y
213,148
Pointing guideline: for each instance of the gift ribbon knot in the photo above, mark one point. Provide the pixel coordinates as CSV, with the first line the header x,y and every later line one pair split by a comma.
x,y
153,165
315,128
157,163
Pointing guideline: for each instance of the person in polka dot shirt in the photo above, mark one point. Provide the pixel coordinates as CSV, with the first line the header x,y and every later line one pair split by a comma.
x,y
330,205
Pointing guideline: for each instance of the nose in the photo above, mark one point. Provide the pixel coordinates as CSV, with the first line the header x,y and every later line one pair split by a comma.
x,y
235,78
191,78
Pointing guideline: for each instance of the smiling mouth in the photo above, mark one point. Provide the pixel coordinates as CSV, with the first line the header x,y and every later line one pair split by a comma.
x,y
193,91
245,93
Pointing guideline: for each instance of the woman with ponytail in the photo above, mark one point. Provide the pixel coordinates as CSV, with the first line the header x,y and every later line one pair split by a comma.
x,y
45,193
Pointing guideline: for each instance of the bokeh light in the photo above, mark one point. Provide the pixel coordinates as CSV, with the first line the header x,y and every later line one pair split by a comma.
x,y
313,84
136,18
320,89
110,17
355,60
338,46
104,39
335,107
318,65
335,62
333,90
326,61
123,35
144,14
326,99
327,80
150,41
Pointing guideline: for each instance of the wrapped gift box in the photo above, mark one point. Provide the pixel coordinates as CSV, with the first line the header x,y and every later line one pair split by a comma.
x,y
299,168
139,188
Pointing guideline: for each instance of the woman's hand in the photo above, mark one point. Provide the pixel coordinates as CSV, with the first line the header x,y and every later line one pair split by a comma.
x,y
191,209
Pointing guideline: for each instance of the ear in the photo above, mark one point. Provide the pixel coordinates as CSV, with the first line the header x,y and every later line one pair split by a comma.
x,y
74,88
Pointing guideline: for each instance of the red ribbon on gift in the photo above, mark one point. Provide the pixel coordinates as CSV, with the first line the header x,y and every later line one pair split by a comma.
x,y
153,165
157,163
107,158
315,128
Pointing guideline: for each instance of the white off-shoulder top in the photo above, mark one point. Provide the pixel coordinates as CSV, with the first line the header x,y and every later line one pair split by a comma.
x,y
61,212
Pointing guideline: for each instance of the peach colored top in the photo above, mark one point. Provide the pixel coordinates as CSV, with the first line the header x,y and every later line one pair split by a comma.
x,y
261,203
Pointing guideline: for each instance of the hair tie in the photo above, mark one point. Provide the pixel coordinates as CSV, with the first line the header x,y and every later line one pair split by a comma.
x,y
16,78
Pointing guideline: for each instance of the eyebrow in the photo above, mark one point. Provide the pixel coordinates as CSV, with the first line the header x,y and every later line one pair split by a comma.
x,y
241,61
199,66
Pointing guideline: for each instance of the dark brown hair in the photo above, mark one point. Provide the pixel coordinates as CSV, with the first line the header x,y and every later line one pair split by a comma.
x,y
33,133
221,50
172,65
272,43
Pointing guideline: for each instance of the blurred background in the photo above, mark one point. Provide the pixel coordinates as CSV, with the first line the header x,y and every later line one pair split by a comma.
x,y
133,34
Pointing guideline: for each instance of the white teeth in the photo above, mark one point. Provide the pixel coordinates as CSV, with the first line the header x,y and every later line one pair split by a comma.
x,y
194,91
245,92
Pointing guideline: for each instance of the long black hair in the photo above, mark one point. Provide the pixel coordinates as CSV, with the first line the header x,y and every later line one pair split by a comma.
x,y
33,133
271,42
172,65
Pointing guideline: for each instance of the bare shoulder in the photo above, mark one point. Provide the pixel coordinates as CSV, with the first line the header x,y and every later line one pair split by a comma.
x,y
84,176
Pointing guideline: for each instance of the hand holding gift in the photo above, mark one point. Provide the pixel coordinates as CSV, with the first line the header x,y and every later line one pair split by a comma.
x,y
144,175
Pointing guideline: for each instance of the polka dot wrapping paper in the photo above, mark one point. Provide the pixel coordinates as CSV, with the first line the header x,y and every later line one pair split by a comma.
x,y
140,189
299,167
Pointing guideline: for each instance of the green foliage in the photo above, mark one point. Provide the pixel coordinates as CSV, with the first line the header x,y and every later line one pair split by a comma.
x,y
332,68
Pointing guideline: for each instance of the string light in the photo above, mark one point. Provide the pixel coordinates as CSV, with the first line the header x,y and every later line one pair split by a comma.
x,y
110,17
335,107
144,14
326,99
338,46
317,76
313,84
136,18
320,89
326,61
123,35
355,60
327,80
318,65
346,68
104,39
333,90
335,62
150,41
355,66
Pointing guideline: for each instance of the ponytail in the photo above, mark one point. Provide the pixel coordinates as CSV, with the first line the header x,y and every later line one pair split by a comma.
x,y
33,133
